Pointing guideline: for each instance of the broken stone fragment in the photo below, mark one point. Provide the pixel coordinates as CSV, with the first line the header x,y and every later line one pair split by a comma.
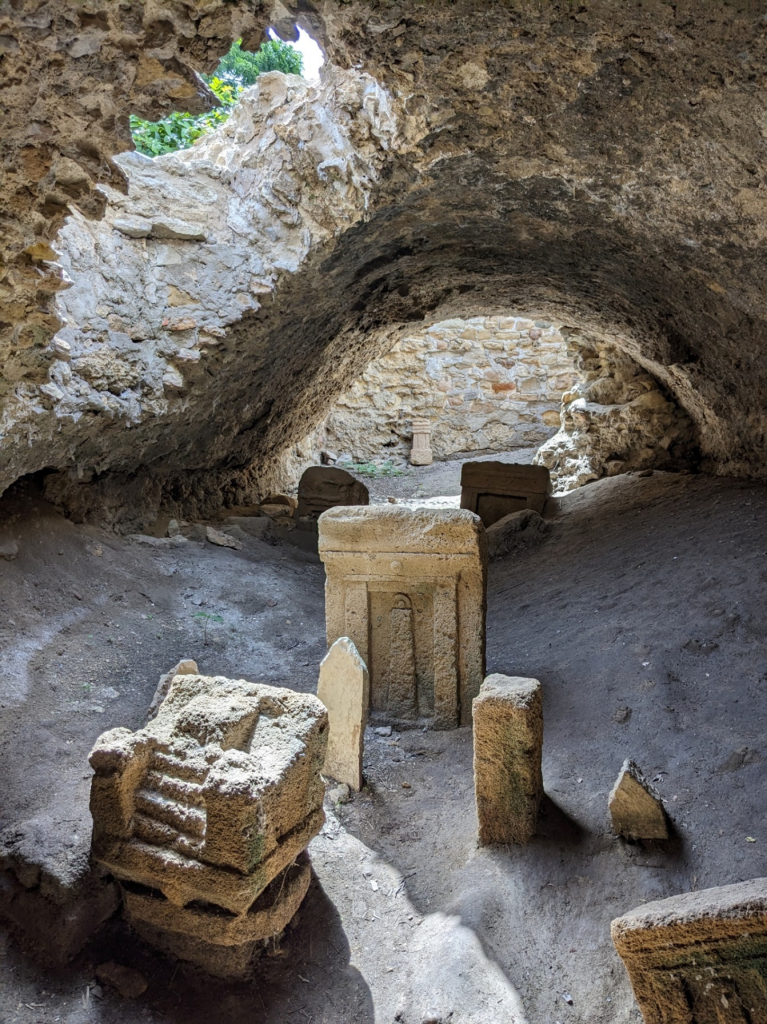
x,y
223,540
635,806
8,549
516,530
129,983
253,526
344,689
61,349
185,667
133,227
172,227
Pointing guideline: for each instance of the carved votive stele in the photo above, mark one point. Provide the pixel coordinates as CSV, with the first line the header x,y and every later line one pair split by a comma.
x,y
408,588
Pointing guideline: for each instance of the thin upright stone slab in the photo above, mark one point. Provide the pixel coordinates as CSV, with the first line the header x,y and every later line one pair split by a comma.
x,y
635,807
344,689
508,743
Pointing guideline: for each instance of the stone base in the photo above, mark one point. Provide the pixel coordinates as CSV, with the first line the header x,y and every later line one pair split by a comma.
x,y
230,941
699,958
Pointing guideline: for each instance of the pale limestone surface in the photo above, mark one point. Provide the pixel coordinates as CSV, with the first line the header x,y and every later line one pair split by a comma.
x,y
344,689
484,384
636,808
496,489
199,239
408,587
700,957
211,801
508,745
615,418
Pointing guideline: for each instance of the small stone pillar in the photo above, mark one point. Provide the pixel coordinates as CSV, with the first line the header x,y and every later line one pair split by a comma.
x,y
420,454
344,689
508,742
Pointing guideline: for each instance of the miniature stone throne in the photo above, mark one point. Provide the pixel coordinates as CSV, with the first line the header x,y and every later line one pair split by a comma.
x,y
203,816
408,588
496,489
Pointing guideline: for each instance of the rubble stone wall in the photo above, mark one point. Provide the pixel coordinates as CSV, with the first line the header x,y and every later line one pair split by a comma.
x,y
485,384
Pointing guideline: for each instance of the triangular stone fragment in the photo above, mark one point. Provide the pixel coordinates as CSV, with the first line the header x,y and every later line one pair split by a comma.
x,y
635,807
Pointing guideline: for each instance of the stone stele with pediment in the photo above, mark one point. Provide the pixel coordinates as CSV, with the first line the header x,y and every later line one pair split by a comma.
x,y
408,587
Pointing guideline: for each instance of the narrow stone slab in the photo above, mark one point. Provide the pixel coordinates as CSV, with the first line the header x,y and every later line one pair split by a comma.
x,y
508,743
344,689
700,957
635,806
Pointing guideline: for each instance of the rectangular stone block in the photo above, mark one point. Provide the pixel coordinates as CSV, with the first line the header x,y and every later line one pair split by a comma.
x,y
408,588
344,689
496,489
699,958
508,743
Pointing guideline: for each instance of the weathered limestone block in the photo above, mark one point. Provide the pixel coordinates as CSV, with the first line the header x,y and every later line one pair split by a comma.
x,y
408,588
420,453
508,743
496,489
324,487
206,805
344,689
635,806
699,958
515,531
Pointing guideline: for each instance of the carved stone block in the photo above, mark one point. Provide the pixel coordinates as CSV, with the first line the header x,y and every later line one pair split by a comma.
x,y
496,489
324,487
699,958
420,453
408,587
199,811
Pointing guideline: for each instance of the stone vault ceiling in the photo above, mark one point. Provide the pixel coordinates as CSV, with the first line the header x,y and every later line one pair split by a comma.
x,y
602,165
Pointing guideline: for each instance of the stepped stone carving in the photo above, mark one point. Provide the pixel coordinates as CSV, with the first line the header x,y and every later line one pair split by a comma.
x,y
508,743
202,815
420,453
699,958
344,689
408,588
635,806
496,489
324,487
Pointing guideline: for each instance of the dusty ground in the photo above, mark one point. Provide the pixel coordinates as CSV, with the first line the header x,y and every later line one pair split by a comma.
x,y
642,614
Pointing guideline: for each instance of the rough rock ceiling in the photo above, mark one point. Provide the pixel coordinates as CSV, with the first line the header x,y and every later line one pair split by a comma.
x,y
602,165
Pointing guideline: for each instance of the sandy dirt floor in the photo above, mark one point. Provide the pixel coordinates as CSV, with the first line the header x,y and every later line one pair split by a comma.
x,y
642,613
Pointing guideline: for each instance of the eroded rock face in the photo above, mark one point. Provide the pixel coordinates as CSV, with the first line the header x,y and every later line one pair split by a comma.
x,y
70,73
163,285
598,167
616,418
